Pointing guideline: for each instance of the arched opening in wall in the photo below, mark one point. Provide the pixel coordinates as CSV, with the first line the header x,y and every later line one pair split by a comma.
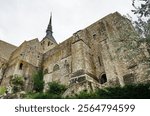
x,y
20,66
56,67
103,79
46,71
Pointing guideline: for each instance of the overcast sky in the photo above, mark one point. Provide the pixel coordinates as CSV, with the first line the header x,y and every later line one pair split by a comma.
x,y
22,20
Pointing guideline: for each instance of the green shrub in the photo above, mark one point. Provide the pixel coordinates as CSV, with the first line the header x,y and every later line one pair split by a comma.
x,y
2,90
38,83
17,80
135,91
42,96
35,96
55,91
17,84
56,88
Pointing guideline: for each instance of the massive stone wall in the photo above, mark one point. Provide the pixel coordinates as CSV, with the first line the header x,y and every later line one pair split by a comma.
x,y
57,64
100,53
106,53
24,62
119,50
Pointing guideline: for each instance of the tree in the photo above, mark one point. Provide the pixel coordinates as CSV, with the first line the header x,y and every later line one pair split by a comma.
x,y
143,28
143,9
56,88
142,25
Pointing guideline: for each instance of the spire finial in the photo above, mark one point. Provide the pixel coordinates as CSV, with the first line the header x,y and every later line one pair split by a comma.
x,y
49,28
50,22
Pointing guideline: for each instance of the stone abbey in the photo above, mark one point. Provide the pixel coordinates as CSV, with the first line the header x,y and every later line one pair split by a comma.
x,y
106,53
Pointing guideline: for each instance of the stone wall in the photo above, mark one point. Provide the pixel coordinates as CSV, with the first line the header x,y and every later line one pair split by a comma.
x,y
47,45
116,42
106,53
24,62
57,64
5,51
29,51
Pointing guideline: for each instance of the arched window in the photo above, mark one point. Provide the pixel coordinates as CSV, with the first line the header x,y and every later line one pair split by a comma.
x,y
56,67
20,66
103,79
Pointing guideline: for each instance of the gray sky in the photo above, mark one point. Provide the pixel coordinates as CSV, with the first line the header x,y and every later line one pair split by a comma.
x,y
22,20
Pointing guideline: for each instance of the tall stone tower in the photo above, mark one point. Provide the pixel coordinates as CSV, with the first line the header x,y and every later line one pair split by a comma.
x,y
48,41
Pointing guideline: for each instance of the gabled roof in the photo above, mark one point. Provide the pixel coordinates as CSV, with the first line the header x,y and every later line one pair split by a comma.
x,y
6,49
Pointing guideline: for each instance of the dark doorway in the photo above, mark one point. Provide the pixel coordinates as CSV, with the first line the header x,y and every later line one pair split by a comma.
x,y
103,79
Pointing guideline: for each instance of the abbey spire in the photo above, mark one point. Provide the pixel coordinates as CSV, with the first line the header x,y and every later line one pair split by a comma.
x,y
49,28
49,31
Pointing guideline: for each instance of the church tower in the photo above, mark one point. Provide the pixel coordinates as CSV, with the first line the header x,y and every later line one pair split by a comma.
x,y
48,41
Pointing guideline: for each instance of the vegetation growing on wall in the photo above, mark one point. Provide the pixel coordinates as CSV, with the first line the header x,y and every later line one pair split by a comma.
x,y
135,91
17,84
55,91
38,83
2,90
56,88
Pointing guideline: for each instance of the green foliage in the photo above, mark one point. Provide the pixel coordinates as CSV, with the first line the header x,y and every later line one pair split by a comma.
x,y
55,91
139,91
56,88
135,91
42,96
35,96
2,90
143,9
143,28
84,95
17,80
38,83
17,84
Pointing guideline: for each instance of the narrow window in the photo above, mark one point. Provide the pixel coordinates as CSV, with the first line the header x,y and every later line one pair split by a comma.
x,y
48,43
99,60
20,66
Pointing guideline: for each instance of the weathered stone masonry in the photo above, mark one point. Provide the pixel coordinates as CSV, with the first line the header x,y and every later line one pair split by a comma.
x,y
106,53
